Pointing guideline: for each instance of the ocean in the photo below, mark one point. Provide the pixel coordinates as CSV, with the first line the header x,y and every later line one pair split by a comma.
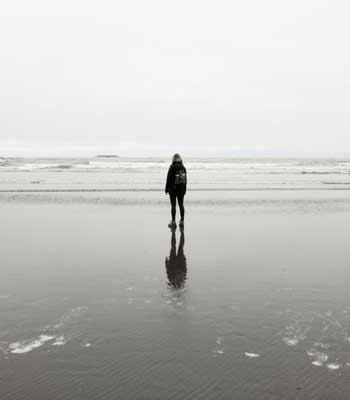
x,y
148,174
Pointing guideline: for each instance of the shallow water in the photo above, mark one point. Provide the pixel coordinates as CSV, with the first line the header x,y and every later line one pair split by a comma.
x,y
98,302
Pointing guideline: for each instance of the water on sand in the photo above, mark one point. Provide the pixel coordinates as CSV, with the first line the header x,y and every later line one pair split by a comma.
x,y
100,300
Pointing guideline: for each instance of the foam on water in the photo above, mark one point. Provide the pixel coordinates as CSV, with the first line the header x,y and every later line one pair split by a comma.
x,y
291,341
333,366
318,357
29,345
60,341
66,319
219,340
252,355
219,348
317,363
52,332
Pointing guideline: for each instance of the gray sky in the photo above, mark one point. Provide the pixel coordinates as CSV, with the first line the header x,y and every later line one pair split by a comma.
x,y
150,77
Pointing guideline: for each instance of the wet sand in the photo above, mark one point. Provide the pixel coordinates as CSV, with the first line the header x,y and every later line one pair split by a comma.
x,y
98,301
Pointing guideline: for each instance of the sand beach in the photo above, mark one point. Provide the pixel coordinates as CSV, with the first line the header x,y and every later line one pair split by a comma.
x,y
254,303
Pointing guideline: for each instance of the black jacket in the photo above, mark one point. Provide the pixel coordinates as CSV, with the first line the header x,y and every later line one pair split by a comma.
x,y
170,181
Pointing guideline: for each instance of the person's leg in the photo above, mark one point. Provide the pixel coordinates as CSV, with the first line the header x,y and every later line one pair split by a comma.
x,y
173,205
180,251
173,246
180,199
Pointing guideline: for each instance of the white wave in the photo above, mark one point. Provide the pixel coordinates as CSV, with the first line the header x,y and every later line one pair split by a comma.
x,y
28,345
245,166
205,174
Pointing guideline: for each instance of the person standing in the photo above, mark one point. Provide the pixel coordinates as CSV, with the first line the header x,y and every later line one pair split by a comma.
x,y
176,185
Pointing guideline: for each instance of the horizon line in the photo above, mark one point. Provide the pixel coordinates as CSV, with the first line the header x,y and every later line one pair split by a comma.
x,y
188,156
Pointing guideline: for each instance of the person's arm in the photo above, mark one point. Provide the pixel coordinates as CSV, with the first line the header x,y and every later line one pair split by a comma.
x,y
186,180
167,186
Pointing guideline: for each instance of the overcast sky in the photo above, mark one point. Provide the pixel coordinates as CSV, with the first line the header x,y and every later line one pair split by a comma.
x,y
139,77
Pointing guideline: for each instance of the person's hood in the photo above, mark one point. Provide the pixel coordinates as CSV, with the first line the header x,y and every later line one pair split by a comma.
x,y
177,158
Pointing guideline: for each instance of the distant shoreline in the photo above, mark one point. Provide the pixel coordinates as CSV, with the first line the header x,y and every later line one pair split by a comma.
x,y
107,156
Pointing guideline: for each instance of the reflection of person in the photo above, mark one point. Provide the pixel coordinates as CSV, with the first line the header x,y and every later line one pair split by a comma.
x,y
176,265
176,184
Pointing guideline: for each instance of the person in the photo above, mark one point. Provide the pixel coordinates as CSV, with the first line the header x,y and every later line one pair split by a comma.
x,y
176,263
176,185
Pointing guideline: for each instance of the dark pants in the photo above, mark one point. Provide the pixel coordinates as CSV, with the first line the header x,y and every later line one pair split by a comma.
x,y
180,199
